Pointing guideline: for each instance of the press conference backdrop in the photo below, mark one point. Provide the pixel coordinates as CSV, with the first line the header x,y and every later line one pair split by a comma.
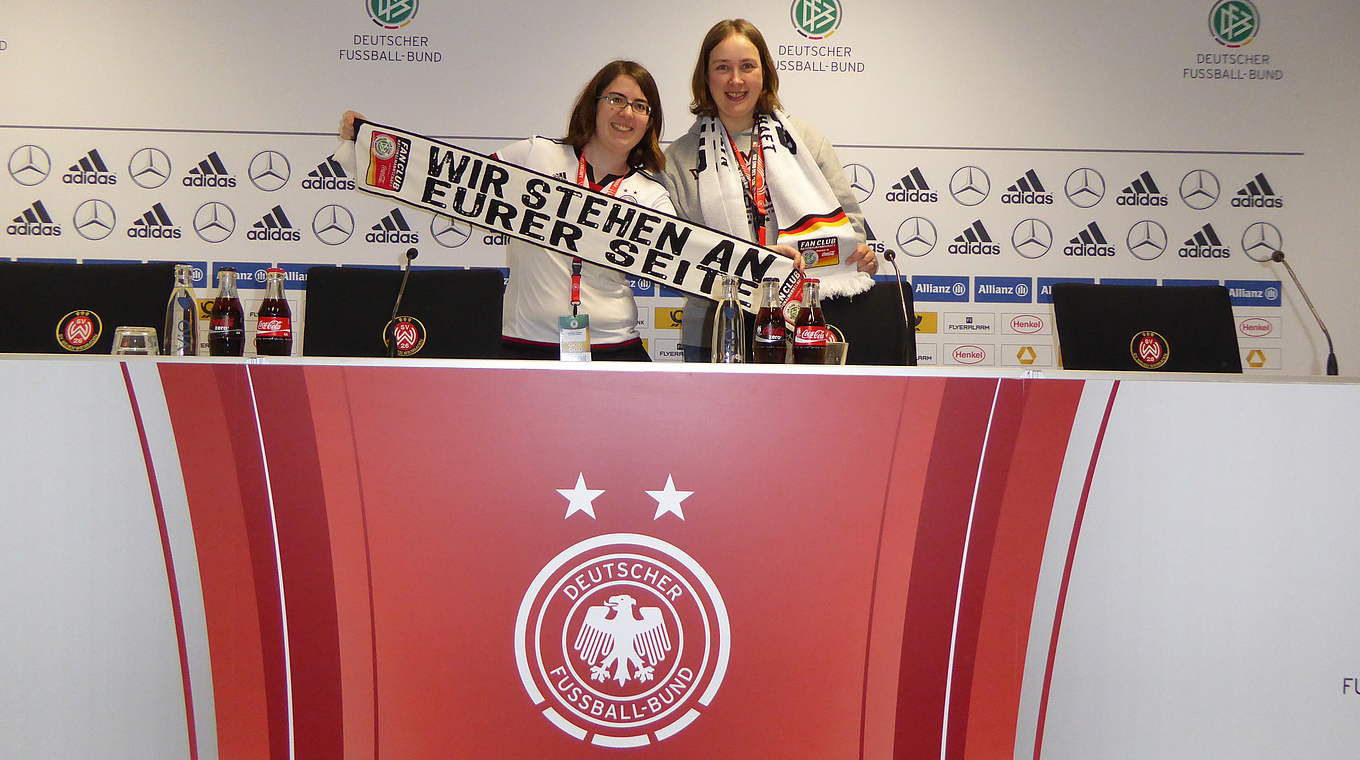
x,y
1000,149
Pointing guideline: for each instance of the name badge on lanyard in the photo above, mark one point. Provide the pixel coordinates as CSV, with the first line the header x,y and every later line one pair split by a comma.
x,y
574,328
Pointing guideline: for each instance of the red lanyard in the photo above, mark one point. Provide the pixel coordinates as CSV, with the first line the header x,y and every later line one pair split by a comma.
x,y
753,177
584,181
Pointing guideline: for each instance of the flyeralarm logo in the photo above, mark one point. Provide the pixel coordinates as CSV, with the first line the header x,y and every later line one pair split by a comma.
x,y
210,172
328,175
274,225
1089,242
912,188
154,224
89,170
34,221
1028,190
622,640
393,228
1142,191
975,239
1258,193
1204,244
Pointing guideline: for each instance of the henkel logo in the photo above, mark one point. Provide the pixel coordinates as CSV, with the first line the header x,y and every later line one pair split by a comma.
x,y
969,354
621,640
1027,324
1255,327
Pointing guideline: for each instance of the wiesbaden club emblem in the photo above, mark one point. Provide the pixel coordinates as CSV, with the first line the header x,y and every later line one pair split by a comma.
x,y
622,640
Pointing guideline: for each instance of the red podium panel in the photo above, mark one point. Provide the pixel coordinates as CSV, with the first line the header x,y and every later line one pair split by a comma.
x,y
523,563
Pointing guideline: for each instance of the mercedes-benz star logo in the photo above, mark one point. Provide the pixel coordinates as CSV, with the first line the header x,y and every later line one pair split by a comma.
x,y
29,165
1199,189
970,185
448,232
916,236
1032,238
861,181
333,224
94,219
149,168
1146,240
214,222
1085,187
1261,240
269,170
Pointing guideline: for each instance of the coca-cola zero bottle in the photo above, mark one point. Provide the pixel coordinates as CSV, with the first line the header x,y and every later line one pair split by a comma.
x,y
226,327
810,334
274,327
769,346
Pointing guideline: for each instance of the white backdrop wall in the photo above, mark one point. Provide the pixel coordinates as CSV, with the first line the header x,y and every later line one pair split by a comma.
x,y
1074,94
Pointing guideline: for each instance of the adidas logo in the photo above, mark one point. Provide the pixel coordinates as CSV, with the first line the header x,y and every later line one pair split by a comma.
x,y
210,172
1143,191
154,225
1257,194
392,228
1204,244
89,170
975,239
328,175
912,188
1089,242
1028,190
34,220
273,226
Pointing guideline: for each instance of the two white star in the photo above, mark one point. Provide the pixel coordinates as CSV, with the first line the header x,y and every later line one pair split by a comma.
x,y
580,498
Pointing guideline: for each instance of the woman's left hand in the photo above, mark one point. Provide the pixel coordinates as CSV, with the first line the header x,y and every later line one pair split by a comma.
x,y
864,259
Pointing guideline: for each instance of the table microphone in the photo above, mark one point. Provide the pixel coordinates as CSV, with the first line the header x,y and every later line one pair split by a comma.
x,y
908,315
410,256
1278,256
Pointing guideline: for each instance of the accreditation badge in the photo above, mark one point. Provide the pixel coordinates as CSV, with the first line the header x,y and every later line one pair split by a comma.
x,y
574,337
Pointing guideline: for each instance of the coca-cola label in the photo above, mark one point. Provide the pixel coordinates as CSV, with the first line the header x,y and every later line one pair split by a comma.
x,y
79,330
811,335
770,333
217,324
387,161
274,327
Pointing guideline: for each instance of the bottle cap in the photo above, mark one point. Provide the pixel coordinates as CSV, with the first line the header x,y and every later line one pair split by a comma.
x,y
272,270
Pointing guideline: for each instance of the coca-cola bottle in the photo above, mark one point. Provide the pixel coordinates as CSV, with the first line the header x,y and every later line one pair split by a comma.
x,y
180,337
274,328
769,346
226,327
810,335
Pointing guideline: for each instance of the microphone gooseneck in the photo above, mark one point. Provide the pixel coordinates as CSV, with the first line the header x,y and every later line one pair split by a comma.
x,y
908,316
407,258
1278,257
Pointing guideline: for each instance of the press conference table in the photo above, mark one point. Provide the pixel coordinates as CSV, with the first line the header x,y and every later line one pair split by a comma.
x,y
314,558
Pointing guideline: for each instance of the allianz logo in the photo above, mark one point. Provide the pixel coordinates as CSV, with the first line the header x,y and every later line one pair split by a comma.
x,y
988,289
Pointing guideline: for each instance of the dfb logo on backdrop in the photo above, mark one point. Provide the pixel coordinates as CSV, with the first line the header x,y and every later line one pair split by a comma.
x,y
1234,23
392,14
816,19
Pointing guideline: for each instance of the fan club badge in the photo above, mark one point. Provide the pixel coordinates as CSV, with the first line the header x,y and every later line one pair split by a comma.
x,y
79,330
407,332
1149,349
387,161
622,640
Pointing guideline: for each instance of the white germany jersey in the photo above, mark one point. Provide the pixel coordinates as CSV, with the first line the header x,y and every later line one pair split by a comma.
x,y
540,280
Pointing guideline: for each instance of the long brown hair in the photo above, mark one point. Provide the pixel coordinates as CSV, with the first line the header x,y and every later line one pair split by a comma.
x,y
647,153
703,104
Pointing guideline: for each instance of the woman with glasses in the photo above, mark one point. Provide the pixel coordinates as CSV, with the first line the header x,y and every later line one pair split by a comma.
x,y
746,167
612,146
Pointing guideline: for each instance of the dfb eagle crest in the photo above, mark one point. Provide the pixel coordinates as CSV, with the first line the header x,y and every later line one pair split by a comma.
x,y
622,640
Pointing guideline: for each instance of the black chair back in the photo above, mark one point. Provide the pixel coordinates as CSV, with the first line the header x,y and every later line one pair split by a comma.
x,y
457,312
59,308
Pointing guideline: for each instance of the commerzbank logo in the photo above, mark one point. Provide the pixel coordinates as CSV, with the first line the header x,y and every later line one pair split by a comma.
x,y
816,19
391,14
1234,23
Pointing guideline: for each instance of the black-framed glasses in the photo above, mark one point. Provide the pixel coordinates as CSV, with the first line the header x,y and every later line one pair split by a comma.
x,y
615,100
